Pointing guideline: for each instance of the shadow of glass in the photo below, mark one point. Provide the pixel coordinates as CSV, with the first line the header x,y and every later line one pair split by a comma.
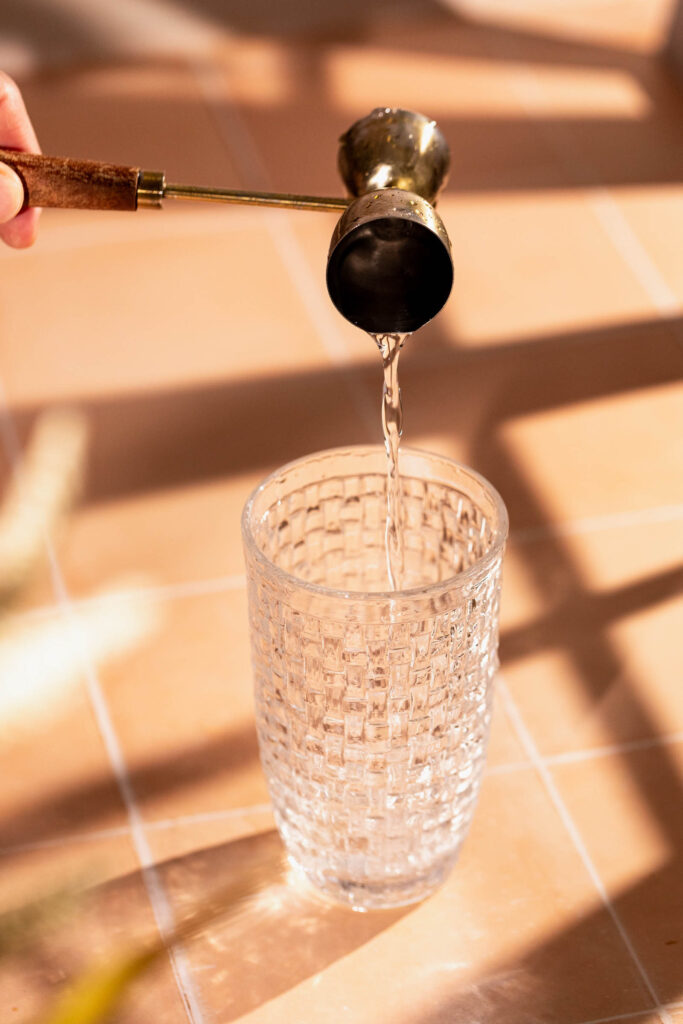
x,y
274,939
559,979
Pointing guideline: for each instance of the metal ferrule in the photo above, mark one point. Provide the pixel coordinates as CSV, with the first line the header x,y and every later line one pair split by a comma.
x,y
151,188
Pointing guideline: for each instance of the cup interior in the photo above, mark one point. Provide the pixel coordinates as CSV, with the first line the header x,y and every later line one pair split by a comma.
x,y
322,520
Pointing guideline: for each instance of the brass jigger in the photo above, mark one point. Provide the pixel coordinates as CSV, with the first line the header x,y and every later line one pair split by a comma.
x,y
389,266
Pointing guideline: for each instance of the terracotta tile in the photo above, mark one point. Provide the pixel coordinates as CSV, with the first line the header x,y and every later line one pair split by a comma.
x,y
622,807
588,636
656,215
69,786
647,1018
498,91
174,840
504,745
452,83
506,288
166,334
640,25
168,474
170,536
454,77
71,866
182,708
510,280
617,454
112,916
510,934
622,152
560,426
78,33
149,115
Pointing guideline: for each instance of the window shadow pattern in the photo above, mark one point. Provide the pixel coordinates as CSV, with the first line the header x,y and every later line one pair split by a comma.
x,y
490,387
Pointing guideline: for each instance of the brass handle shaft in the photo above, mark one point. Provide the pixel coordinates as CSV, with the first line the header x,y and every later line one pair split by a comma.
x,y
87,184
283,199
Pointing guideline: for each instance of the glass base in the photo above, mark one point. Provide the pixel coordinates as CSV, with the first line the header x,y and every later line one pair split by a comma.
x,y
380,895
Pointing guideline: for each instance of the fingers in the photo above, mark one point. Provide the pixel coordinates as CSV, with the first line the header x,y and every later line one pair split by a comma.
x,y
22,231
11,193
16,132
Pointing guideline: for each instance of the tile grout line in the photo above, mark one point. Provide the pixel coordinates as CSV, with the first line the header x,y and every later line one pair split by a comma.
x,y
635,256
231,126
594,524
632,251
171,591
303,281
553,792
161,824
187,226
620,1016
204,816
163,592
505,768
96,835
614,750
606,211
237,581
158,899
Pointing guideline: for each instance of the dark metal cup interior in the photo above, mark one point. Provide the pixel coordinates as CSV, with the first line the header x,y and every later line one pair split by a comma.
x,y
389,267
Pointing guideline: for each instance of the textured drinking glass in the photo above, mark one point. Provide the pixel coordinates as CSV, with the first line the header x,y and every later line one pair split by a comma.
x,y
373,706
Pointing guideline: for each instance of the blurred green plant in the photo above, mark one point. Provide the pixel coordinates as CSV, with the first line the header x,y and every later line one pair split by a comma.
x,y
42,657
41,492
98,993
41,661
41,665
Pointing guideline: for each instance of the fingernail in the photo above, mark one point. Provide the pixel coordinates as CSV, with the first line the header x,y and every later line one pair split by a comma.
x,y
11,193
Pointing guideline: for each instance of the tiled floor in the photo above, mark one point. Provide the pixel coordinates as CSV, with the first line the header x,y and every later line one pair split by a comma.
x,y
202,349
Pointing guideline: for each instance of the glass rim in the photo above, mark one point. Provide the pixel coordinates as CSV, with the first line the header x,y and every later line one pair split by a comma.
x,y
500,531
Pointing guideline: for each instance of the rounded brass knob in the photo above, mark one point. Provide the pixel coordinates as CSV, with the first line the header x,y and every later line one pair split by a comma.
x,y
394,148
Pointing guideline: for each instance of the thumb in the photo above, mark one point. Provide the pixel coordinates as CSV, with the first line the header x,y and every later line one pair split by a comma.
x,y
11,193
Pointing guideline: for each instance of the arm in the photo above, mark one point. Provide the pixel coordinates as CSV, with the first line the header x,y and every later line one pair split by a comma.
x,y
16,132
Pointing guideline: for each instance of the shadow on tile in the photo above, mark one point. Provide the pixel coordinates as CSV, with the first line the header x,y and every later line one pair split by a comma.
x,y
493,152
144,442
277,938
225,428
588,614
544,983
82,807
79,920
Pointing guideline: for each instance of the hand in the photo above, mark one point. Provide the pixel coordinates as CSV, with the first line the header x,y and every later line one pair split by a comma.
x,y
16,132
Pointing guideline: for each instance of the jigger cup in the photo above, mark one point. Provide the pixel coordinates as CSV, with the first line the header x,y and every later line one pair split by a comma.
x,y
373,706
389,267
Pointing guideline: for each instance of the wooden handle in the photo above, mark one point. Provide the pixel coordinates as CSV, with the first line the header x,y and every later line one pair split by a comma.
x,y
73,184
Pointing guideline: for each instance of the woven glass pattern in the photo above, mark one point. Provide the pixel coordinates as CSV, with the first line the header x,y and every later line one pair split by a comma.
x,y
373,709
